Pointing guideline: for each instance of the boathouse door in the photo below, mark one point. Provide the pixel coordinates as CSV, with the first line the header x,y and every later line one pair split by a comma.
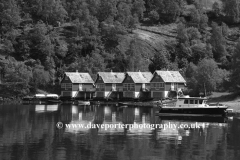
x,y
80,87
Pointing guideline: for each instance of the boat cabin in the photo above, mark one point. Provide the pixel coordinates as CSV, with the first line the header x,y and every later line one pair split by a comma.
x,y
39,96
52,96
191,102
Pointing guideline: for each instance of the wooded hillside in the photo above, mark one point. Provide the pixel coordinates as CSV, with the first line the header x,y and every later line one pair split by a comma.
x,y
41,39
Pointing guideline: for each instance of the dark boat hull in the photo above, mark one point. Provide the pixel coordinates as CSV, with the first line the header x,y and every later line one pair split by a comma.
x,y
204,118
54,101
197,110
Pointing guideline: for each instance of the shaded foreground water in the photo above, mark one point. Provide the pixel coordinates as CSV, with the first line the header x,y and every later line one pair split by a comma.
x,y
30,132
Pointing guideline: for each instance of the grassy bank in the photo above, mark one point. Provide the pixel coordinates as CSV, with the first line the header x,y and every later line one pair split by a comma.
x,y
230,99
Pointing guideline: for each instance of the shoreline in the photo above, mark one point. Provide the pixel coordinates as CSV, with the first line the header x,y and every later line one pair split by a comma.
x,y
234,105
232,100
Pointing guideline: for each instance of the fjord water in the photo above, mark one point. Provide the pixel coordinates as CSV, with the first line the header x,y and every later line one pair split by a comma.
x,y
29,132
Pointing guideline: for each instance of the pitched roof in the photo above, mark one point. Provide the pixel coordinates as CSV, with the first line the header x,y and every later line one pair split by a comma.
x,y
171,76
112,77
147,75
140,77
76,77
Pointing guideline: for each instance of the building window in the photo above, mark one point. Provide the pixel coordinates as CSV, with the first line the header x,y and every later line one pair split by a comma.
x,y
66,85
157,85
129,86
100,86
185,101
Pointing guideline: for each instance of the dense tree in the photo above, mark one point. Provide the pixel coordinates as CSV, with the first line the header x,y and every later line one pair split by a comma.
x,y
40,76
182,33
9,15
138,8
9,21
160,61
235,77
169,10
193,35
41,44
16,78
206,76
232,10
91,64
49,11
154,16
191,73
198,17
135,61
191,46
216,7
218,42
107,10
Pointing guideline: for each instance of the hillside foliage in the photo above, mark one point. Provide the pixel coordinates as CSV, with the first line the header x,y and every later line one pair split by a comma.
x,y
41,39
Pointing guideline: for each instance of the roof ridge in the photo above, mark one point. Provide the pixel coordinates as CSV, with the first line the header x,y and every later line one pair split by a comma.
x,y
171,76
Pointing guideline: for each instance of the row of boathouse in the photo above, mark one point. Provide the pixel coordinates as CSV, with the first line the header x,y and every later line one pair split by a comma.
x,y
116,85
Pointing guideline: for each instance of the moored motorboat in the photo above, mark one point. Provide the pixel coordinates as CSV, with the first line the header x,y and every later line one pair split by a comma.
x,y
42,98
39,98
54,101
191,105
52,98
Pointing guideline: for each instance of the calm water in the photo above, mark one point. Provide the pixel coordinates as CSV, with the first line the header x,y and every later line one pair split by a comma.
x,y
30,132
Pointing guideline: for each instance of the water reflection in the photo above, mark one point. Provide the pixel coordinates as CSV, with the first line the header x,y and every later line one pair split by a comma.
x,y
29,132
46,108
